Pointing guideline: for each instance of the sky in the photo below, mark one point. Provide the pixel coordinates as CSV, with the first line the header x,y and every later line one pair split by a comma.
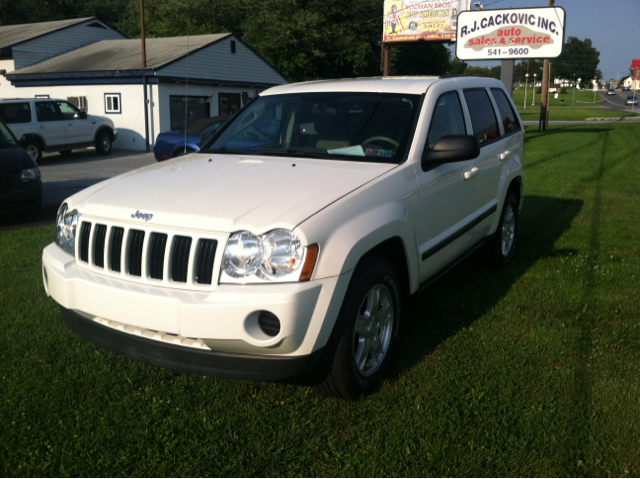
x,y
612,25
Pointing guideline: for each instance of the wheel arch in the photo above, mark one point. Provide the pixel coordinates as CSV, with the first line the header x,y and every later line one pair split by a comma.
x,y
35,137
100,130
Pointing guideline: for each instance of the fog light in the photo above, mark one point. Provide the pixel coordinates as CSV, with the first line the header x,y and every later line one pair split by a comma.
x,y
269,323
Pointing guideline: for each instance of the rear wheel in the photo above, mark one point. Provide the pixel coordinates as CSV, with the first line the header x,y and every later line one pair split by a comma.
x,y
360,348
502,247
103,143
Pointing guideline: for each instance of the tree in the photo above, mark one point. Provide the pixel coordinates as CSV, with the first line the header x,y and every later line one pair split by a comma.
x,y
579,57
530,67
420,58
457,66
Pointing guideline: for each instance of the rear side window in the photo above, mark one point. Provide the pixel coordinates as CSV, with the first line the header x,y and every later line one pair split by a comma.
x,y
447,119
509,121
483,118
15,113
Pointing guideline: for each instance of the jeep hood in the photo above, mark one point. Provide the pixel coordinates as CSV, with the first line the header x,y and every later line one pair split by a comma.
x,y
226,193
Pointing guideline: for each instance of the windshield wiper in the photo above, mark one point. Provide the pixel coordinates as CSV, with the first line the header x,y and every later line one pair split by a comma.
x,y
289,152
225,150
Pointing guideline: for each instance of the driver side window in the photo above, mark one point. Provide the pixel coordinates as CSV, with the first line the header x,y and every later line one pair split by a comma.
x,y
68,111
447,119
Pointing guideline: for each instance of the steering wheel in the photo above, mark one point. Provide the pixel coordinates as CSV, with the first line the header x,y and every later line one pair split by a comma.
x,y
381,138
254,134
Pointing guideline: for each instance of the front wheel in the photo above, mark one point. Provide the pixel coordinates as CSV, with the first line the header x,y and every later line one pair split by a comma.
x,y
103,143
34,149
361,345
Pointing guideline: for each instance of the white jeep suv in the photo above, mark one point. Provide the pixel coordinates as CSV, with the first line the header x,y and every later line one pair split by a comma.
x,y
286,245
56,125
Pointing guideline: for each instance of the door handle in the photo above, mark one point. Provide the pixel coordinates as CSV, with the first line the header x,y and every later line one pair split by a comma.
x,y
471,173
41,126
504,155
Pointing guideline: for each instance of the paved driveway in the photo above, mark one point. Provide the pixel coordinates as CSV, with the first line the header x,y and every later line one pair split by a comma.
x,y
64,175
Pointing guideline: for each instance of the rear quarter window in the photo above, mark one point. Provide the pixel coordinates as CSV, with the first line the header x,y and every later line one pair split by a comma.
x,y
483,118
509,118
13,113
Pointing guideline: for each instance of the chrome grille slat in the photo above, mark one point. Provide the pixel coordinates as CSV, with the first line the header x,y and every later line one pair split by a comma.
x,y
149,255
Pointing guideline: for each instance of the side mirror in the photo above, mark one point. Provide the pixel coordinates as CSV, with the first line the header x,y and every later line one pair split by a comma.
x,y
450,149
83,115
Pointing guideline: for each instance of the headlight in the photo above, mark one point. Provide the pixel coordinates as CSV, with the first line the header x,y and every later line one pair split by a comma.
x,y
66,224
274,256
30,174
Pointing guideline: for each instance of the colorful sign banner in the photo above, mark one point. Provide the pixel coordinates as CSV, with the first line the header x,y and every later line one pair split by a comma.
x,y
410,20
517,33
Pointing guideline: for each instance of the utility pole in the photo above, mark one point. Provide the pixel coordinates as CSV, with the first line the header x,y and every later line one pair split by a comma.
x,y
144,44
545,88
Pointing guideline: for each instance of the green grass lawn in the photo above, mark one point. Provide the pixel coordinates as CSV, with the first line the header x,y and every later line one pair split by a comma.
x,y
571,114
582,98
532,370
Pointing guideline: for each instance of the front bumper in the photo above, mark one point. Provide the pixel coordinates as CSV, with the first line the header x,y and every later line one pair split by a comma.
x,y
205,363
223,321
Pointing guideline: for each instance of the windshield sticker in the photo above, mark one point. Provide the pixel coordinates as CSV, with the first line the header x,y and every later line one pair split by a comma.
x,y
379,152
349,150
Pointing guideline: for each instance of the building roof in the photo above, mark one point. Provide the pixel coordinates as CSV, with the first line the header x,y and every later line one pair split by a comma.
x,y
119,55
635,63
14,34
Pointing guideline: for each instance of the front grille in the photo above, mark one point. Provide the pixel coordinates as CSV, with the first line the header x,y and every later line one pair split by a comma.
x,y
148,256
7,179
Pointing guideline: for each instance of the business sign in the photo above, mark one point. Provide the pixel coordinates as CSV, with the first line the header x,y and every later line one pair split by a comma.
x,y
410,20
517,33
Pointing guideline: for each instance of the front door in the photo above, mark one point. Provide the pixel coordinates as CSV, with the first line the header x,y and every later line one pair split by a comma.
x,y
52,125
78,129
448,194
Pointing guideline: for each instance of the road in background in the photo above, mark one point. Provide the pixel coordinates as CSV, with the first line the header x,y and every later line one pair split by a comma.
x,y
65,175
616,102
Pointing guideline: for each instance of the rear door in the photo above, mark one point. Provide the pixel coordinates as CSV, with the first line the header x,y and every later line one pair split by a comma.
x,y
448,193
52,125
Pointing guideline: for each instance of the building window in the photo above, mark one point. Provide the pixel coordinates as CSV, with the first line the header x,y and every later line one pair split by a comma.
x,y
112,103
228,103
233,46
80,102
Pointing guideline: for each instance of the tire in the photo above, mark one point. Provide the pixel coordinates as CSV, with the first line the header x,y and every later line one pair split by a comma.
x,y
34,148
65,152
502,247
351,370
104,142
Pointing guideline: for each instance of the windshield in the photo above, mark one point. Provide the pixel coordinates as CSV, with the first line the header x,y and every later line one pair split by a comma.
x,y
6,137
373,127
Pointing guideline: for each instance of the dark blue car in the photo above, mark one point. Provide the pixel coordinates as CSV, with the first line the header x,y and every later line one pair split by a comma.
x,y
176,143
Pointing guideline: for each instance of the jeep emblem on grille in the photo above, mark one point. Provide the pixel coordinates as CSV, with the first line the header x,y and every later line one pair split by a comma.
x,y
142,216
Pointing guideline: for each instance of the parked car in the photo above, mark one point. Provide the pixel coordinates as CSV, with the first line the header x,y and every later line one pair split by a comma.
x,y
56,125
611,91
177,143
286,246
631,100
20,184
626,88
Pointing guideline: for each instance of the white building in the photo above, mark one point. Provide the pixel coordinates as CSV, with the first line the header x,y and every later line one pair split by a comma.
x,y
185,79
